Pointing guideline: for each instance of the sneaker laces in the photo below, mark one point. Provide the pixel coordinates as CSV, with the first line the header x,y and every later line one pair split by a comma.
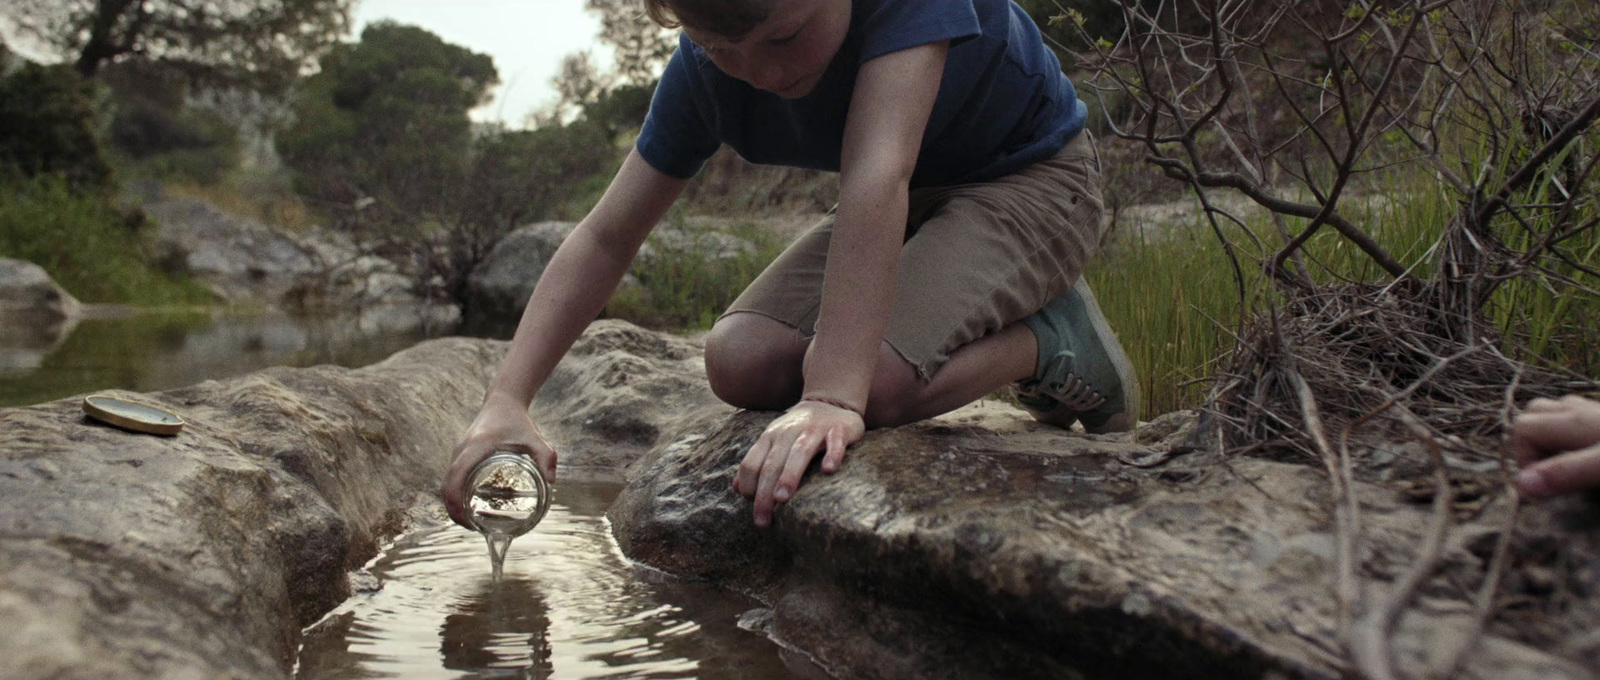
x,y
1073,392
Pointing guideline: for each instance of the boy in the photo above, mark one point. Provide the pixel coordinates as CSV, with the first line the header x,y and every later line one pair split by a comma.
x,y
968,206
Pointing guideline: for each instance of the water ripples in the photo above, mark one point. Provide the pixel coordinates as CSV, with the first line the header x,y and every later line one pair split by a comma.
x,y
569,607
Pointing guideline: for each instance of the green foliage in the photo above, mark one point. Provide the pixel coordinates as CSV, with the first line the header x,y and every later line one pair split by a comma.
x,y
386,118
262,45
47,126
382,141
94,251
155,132
689,278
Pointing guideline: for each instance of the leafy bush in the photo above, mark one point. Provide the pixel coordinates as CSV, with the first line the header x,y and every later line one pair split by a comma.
x,y
47,126
687,279
93,250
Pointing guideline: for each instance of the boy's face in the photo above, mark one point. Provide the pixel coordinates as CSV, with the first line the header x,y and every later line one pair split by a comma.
x,y
786,54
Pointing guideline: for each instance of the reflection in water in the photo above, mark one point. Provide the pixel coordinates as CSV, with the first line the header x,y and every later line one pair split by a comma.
x,y
158,351
569,606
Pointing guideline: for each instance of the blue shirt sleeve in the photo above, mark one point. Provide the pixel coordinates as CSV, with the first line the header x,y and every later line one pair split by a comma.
x,y
896,25
676,138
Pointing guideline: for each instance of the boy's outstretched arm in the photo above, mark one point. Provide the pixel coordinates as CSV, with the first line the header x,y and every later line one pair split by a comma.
x,y
894,95
573,289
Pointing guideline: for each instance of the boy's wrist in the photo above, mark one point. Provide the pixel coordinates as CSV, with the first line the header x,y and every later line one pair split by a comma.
x,y
503,397
836,403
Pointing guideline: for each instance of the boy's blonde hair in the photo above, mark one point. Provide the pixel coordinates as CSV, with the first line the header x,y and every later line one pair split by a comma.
x,y
730,19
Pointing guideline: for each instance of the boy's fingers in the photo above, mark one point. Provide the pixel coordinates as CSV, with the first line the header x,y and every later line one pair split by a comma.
x,y
1562,474
1542,432
800,455
835,455
744,481
1542,404
770,469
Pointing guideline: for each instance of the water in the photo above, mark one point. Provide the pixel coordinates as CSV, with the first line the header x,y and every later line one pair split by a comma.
x,y
569,605
508,498
156,351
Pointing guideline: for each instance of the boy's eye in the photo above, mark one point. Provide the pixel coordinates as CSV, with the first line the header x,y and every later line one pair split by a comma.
x,y
779,42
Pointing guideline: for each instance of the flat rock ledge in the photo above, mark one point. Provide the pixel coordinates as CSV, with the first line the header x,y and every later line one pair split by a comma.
x,y
204,555
984,545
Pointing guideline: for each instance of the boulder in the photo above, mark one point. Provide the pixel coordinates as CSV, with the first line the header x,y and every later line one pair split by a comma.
x,y
501,284
499,287
247,261
983,545
26,290
203,555
36,315
240,258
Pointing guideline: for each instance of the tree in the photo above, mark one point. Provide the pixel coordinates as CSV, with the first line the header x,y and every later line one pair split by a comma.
x,y
641,47
1316,111
382,140
262,45
47,124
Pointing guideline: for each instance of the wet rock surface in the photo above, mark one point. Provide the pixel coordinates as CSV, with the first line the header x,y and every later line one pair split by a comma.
x,y
977,545
203,555
984,545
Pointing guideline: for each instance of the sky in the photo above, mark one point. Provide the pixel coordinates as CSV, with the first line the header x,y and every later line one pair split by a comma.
x,y
526,39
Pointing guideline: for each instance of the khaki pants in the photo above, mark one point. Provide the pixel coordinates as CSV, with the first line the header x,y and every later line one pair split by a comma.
x,y
977,257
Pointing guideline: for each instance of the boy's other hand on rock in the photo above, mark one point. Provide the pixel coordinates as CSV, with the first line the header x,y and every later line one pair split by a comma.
x,y
772,470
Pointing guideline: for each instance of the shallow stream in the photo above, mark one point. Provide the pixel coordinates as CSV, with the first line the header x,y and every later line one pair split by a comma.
x,y
569,606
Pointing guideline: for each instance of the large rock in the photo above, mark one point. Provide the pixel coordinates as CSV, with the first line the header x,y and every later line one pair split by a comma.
x,y
204,555
620,392
27,290
981,545
499,287
242,259
36,315
315,271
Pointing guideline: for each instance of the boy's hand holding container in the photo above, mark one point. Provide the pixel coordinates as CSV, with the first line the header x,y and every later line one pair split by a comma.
x,y
502,424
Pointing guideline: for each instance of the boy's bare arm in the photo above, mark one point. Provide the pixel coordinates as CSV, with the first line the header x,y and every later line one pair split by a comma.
x,y
889,112
575,286
582,275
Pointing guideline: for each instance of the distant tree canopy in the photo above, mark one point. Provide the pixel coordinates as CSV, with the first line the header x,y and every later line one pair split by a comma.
x,y
386,118
641,48
259,44
383,142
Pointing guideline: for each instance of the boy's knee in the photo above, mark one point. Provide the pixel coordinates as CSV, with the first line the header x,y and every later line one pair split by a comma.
x,y
746,369
895,391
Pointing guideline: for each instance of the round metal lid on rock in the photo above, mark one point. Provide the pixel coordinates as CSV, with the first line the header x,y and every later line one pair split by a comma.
x,y
132,415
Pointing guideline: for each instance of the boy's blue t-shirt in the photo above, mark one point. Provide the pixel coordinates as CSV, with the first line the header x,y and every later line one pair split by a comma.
x,y
1003,104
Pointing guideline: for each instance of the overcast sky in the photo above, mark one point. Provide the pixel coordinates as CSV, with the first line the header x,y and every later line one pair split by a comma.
x,y
526,38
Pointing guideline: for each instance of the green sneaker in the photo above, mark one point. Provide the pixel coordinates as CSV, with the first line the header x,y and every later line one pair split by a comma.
x,y
1083,375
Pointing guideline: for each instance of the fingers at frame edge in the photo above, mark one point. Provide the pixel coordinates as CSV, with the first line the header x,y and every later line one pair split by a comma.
x,y
1542,432
1568,472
